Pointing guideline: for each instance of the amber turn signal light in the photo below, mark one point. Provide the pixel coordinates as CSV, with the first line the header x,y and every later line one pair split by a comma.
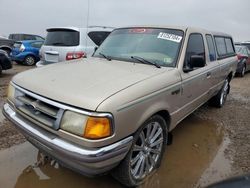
x,y
97,127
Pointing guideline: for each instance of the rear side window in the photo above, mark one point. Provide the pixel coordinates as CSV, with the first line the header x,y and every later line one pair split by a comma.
x,y
98,36
195,47
211,48
229,46
224,46
221,46
62,37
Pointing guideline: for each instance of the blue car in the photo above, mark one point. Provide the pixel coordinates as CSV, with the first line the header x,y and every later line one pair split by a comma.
x,y
26,52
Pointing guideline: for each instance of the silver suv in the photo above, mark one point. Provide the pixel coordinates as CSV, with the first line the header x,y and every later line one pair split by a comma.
x,y
67,43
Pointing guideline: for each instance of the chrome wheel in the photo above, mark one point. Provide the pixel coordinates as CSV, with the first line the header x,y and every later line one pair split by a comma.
x,y
146,150
30,60
224,93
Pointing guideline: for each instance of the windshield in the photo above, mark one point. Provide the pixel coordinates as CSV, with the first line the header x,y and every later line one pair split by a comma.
x,y
61,37
159,46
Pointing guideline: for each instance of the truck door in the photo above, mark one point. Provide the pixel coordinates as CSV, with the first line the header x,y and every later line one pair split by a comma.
x,y
196,82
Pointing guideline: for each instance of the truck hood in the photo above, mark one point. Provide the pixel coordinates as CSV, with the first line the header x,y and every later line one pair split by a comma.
x,y
84,83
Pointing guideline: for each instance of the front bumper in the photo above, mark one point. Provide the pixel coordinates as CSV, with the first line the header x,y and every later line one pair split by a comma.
x,y
88,161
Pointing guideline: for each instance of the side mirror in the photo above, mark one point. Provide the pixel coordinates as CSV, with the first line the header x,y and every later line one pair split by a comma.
x,y
197,61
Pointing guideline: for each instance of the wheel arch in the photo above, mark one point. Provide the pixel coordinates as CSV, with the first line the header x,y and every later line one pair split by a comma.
x,y
5,48
230,76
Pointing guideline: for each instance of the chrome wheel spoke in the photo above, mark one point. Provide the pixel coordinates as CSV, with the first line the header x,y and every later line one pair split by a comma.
x,y
137,148
142,137
155,151
147,168
153,131
156,135
151,160
159,141
134,160
137,166
142,167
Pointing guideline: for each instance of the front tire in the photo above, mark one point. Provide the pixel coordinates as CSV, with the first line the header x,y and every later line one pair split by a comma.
x,y
220,99
29,60
145,154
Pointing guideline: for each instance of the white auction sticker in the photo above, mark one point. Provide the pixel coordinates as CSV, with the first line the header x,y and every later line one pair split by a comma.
x,y
171,37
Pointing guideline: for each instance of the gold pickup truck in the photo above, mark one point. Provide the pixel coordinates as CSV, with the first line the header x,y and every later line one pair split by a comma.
x,y
114,111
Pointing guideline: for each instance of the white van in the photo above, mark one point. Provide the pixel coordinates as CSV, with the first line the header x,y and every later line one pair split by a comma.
x,y
67,43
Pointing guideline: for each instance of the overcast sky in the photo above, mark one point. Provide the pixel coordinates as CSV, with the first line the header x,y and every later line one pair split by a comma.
x,y
34,16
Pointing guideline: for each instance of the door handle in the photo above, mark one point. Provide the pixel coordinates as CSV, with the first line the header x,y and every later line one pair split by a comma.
x,y
208,74
176,92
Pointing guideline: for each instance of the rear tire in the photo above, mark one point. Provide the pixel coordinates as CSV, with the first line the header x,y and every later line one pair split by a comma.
x,y
1,69
243,71
145,153
220,99
29,60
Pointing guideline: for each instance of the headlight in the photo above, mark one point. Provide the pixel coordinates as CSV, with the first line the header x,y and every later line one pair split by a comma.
x,y
85,126
11,92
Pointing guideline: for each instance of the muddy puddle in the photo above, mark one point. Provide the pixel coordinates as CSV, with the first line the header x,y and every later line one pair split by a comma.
x,y
194,147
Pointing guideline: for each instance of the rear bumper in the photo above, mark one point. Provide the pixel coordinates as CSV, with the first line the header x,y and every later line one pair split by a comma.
x,y
42,63
88,161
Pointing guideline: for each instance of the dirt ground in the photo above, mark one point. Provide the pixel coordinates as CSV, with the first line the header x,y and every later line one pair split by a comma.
x,y
214,143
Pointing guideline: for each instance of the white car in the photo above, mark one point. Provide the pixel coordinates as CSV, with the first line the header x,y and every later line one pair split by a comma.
x,y
67,43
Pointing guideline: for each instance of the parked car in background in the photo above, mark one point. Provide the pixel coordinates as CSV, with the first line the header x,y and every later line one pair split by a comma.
x,y
6,44
243,54
22,36
5,62
67,43
26,52
247,44
116,108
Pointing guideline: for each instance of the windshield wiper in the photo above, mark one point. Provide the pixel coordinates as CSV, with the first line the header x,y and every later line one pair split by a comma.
x,y
105,56
142,60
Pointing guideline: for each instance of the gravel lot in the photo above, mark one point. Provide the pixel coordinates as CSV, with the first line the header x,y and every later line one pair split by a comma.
x,y
233,119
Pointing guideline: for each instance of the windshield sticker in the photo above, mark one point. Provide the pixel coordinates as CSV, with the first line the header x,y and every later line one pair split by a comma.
x,y
167,60
171,37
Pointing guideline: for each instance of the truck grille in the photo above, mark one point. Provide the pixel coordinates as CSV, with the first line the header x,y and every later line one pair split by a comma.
x,y
38,110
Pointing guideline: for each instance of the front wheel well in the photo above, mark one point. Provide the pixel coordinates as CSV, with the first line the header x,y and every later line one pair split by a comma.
x,y
166,116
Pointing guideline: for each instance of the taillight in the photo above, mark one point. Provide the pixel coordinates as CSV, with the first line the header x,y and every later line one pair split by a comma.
x,y
239,56
75,55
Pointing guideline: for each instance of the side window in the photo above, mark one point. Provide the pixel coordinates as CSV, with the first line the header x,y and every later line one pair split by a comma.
x,y
229,46
195,47
38,38
37,44
98,36
221,46
211,48
245,52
